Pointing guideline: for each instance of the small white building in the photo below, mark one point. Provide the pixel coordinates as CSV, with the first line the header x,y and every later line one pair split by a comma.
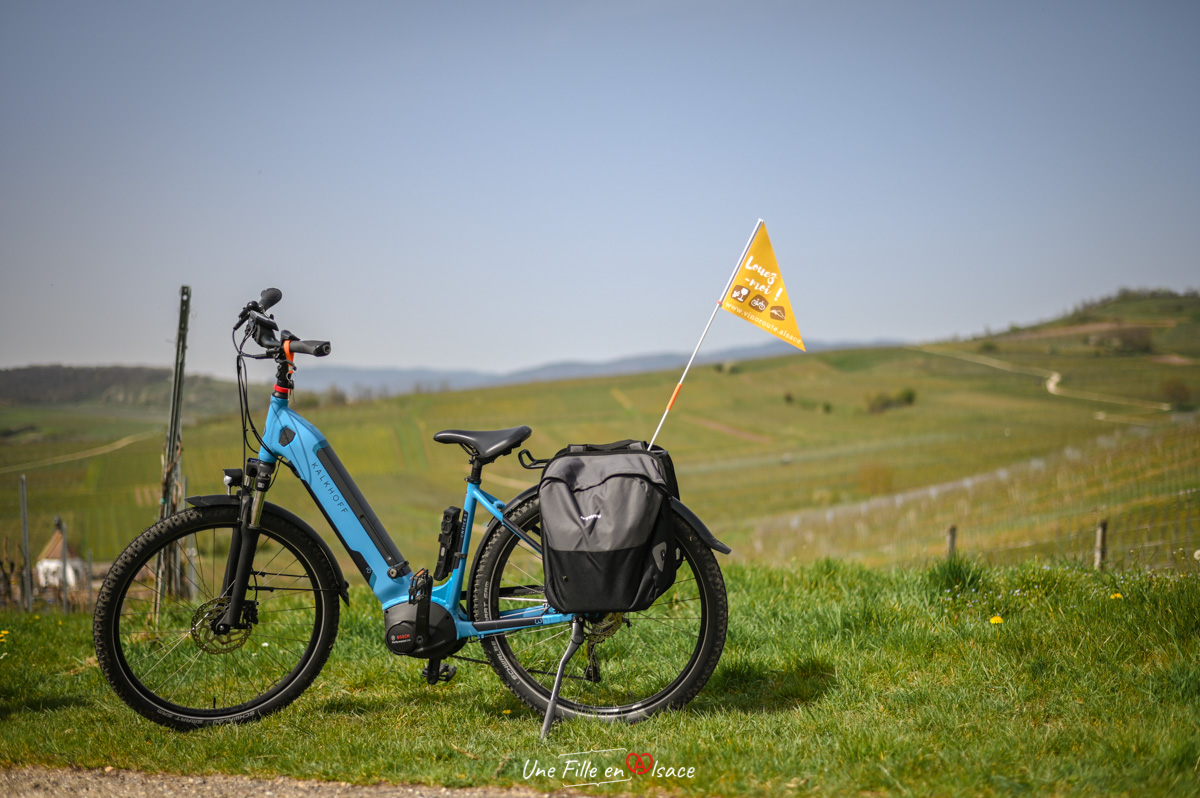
x,y
48,572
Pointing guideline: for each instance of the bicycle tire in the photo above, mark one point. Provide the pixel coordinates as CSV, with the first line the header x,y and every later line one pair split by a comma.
x,y
648,661
157,649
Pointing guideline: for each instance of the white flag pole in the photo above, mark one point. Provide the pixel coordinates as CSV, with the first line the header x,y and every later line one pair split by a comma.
x,y
720,301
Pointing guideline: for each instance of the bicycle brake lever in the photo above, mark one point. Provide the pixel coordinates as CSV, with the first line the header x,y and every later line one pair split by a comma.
x,y
245,314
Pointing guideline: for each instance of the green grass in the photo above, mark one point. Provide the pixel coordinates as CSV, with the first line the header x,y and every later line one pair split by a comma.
x,y
835,679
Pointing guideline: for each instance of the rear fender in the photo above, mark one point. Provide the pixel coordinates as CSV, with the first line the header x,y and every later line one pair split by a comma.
x,y
291,518
710,540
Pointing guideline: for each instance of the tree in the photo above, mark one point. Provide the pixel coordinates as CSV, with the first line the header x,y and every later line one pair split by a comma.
x,y
1175,391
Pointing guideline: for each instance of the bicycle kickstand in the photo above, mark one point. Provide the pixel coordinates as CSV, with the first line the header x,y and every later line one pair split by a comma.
x,y
576,642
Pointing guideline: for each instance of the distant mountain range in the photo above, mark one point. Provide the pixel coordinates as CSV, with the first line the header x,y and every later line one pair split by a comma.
x,y
360,381
137,386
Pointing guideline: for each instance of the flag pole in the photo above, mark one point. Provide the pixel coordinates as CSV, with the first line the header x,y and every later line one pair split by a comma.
x,y
720,301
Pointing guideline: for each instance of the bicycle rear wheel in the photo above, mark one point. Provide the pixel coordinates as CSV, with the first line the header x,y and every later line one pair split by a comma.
x,y
633,664
153,621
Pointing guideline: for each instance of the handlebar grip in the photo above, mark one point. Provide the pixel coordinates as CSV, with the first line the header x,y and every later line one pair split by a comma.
x,y
317,348
269,298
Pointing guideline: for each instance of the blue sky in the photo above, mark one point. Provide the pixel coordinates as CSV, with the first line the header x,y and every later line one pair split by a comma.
x,y
498,185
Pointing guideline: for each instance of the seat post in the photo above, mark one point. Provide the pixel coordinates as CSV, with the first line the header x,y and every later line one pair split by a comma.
x,y
476,471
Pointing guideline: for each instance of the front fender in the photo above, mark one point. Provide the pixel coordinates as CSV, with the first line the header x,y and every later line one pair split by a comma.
x,y
291,518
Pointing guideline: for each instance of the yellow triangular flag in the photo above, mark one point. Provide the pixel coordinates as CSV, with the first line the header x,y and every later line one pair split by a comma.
x,y
757,293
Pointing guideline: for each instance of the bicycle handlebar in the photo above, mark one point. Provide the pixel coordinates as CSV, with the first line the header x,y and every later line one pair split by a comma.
x,y
269,298
264,328
315,348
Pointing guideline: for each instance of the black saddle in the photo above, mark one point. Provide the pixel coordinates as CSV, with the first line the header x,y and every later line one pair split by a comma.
x,y
485,446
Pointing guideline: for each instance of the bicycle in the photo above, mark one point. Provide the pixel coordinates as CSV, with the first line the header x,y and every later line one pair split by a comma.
x,y
227,611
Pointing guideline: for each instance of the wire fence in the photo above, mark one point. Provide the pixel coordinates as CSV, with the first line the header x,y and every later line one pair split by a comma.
x,y
1165,544
1144,488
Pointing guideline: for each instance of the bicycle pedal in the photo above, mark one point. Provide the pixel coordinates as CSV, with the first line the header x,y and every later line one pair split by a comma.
x,y
437,671
420,588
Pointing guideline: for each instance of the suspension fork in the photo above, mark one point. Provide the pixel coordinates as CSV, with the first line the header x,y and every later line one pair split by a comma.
x,y
242,546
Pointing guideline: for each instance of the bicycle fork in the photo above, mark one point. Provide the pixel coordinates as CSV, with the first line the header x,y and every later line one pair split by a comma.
x,y
242,547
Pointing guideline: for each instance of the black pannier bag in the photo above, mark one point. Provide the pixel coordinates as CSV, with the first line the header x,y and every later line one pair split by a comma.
x,y
607,527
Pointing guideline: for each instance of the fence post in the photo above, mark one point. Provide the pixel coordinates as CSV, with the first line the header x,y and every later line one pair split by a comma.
x,y
951,534
27,571
172,491
62,576
1101,551
8,569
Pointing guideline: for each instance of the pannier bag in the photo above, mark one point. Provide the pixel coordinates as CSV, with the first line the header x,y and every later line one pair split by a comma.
x,y
607,527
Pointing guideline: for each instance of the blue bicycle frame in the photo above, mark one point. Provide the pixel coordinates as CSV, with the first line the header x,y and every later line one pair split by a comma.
x,y
291,439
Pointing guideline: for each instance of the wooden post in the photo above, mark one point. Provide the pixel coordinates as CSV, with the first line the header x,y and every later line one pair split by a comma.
x,y
951,534
169,581
1101,551
27,571
8,569
170,496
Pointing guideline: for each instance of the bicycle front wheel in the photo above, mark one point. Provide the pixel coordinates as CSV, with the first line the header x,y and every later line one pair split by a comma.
x,y
632,664
154,617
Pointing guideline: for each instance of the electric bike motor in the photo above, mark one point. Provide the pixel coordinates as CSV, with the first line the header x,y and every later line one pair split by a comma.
x,y
439,640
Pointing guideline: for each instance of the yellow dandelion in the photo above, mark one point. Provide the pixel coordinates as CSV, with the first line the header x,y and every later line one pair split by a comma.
x,y
1116,596
506,712
995,619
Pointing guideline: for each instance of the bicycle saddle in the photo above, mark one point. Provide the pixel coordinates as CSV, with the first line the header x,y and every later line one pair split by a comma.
x,y
485,445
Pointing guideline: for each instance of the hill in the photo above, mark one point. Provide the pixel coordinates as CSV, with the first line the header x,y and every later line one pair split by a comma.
x,y
790,456
134,387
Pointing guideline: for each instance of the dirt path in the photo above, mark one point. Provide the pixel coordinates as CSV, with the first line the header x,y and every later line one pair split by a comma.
x,y
1052,380
66,458
725,429
42,783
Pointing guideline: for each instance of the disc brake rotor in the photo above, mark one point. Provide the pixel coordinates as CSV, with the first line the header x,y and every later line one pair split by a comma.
x,y
209,641
606,627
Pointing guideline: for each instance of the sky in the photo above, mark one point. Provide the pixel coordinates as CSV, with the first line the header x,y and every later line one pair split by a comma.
x,y
493,186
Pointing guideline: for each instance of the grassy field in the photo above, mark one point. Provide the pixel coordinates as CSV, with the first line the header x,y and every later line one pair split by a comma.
x,y
836,679
754,446
1144,483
